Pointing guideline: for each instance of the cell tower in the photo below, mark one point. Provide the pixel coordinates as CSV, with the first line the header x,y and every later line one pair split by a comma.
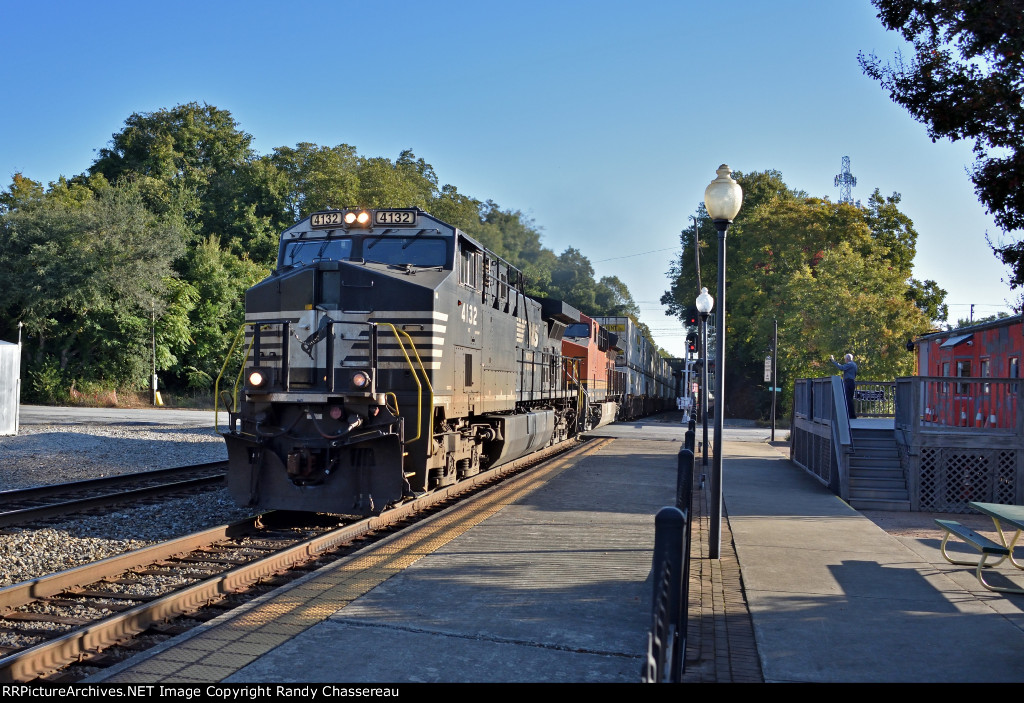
x,y
845,181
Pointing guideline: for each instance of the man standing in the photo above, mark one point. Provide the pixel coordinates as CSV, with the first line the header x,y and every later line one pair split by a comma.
x,y
849,370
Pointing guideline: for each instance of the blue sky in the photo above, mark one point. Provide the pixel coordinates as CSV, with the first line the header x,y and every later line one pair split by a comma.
x,y
573,112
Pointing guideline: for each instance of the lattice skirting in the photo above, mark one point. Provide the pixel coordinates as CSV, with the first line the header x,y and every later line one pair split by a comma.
x,y
950,477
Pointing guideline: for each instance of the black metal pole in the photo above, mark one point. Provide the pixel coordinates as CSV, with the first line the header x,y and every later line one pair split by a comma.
x,y
704,382
775,373
715,533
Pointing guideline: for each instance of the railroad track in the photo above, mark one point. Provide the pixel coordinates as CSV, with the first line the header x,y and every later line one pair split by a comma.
x,y
23,506
74,616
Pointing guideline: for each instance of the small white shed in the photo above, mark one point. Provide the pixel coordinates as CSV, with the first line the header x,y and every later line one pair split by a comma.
x,y
10,387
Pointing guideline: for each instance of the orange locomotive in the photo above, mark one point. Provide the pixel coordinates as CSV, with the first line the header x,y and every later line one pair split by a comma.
x,y
593,351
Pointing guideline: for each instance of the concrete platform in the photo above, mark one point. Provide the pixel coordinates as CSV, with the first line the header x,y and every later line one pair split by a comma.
x,y
553,585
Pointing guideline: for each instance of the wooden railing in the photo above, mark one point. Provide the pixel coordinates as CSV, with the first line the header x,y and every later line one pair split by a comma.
x,y
936,402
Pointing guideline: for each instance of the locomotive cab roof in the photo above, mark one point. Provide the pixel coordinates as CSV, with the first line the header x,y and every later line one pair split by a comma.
x,y
403,237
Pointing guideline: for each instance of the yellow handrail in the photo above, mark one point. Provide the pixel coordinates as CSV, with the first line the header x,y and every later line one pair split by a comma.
x,y
394,410
419,396
430,388
216,384
401,346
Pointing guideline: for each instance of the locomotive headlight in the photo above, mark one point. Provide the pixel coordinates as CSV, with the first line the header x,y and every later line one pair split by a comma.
x,y
256,379
354,218
361,380
335,412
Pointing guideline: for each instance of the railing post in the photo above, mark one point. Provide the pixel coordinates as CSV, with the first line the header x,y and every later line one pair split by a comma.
x,y
666,644
684,480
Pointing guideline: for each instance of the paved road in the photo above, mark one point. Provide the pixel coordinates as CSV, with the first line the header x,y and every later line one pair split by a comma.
x,y
47,415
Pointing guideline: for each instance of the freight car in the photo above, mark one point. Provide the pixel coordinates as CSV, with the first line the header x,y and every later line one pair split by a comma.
x,y
648,381
390,354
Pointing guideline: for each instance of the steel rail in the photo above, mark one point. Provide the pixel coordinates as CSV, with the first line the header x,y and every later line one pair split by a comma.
x,y
35,661
39,493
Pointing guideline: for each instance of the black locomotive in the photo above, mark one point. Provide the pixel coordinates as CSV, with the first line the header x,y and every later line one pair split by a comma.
x,y
390,354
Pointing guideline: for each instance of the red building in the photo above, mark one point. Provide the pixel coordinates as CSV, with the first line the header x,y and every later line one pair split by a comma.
x,y
988,350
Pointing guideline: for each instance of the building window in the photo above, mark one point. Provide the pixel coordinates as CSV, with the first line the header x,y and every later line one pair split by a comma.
x,y
1014,371
985,372
945,372
963,369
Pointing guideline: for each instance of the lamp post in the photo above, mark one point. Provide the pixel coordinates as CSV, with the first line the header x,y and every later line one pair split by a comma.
x,y
704,304
722,198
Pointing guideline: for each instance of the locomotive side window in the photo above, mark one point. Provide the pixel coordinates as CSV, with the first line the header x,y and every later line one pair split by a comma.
x,y
469,268
304,252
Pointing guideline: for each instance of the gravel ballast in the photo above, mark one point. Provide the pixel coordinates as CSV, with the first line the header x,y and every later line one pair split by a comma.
x,y
47,454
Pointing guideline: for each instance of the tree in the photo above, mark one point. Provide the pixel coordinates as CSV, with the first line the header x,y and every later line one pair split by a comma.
x,y
964,82
186,149
319,177
194,160
835,276
219,280
23,192
572,280
408,182
613,299
86,272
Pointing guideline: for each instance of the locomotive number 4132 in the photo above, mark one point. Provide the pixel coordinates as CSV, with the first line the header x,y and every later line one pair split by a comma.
x,y
399,218
362,218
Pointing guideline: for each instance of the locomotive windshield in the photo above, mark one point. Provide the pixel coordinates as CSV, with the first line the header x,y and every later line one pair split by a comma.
x,y
307,251
415,251
576,330
398,251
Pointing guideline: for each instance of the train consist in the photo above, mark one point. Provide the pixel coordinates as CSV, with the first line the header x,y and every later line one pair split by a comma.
x,y
390,354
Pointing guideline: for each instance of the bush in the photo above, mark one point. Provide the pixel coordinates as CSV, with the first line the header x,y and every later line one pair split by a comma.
x,y
45,384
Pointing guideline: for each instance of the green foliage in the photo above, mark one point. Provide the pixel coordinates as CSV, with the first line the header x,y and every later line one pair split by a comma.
x,y
144,260
214,305
22,193
84,273
967,322
318,178
964,82
45,383
613,298
836,278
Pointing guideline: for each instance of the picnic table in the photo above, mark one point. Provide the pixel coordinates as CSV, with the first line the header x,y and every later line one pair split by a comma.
x,y
1006,519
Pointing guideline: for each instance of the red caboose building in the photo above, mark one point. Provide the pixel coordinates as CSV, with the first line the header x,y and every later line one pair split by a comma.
x,y
973,354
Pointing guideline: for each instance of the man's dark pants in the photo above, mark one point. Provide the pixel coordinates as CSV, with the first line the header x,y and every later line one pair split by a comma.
x,y
848,384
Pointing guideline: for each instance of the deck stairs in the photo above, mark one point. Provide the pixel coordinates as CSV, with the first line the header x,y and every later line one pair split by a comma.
x,y
877,481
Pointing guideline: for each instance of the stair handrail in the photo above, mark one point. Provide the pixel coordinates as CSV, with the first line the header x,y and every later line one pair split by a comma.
x,y
842,439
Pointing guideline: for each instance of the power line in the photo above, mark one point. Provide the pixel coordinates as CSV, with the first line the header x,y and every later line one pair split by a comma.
x,y
643,253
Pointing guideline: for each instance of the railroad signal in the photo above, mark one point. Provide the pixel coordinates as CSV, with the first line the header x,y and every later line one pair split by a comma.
x,y
692,316
691,342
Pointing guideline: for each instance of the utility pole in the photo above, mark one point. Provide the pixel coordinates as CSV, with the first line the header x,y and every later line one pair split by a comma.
x,y
775,373
152,328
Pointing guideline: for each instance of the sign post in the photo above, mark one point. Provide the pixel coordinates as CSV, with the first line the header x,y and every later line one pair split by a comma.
x,y
775,383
